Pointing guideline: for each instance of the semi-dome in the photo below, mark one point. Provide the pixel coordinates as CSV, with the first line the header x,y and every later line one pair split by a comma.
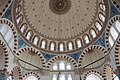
x,y
60,26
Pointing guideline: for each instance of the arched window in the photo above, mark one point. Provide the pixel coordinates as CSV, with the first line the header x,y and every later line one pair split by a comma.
x,y
98,26
43,45
111,41
86,38
19,19
92,32
54,77
69,77
31,78
101,16
79,44
36,40
23,28
114,33
8,35
93,77
102,6
55,66
68,66
52,46
29,34
62,65
70,46
117,25
18,9
7,32
3,29
62,77
61,47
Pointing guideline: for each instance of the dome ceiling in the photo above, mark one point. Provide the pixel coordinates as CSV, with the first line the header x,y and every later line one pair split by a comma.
x,y
51,21
2,2
60,21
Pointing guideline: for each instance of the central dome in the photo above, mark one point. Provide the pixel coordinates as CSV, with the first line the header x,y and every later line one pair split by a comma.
x,y
60,19
51,24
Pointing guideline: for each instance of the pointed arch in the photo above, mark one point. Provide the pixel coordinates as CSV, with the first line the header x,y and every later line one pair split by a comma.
x,y
108,72
110,40
37,59
95,73
9,24
4,59
16,73
70,59
27,75
88,52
